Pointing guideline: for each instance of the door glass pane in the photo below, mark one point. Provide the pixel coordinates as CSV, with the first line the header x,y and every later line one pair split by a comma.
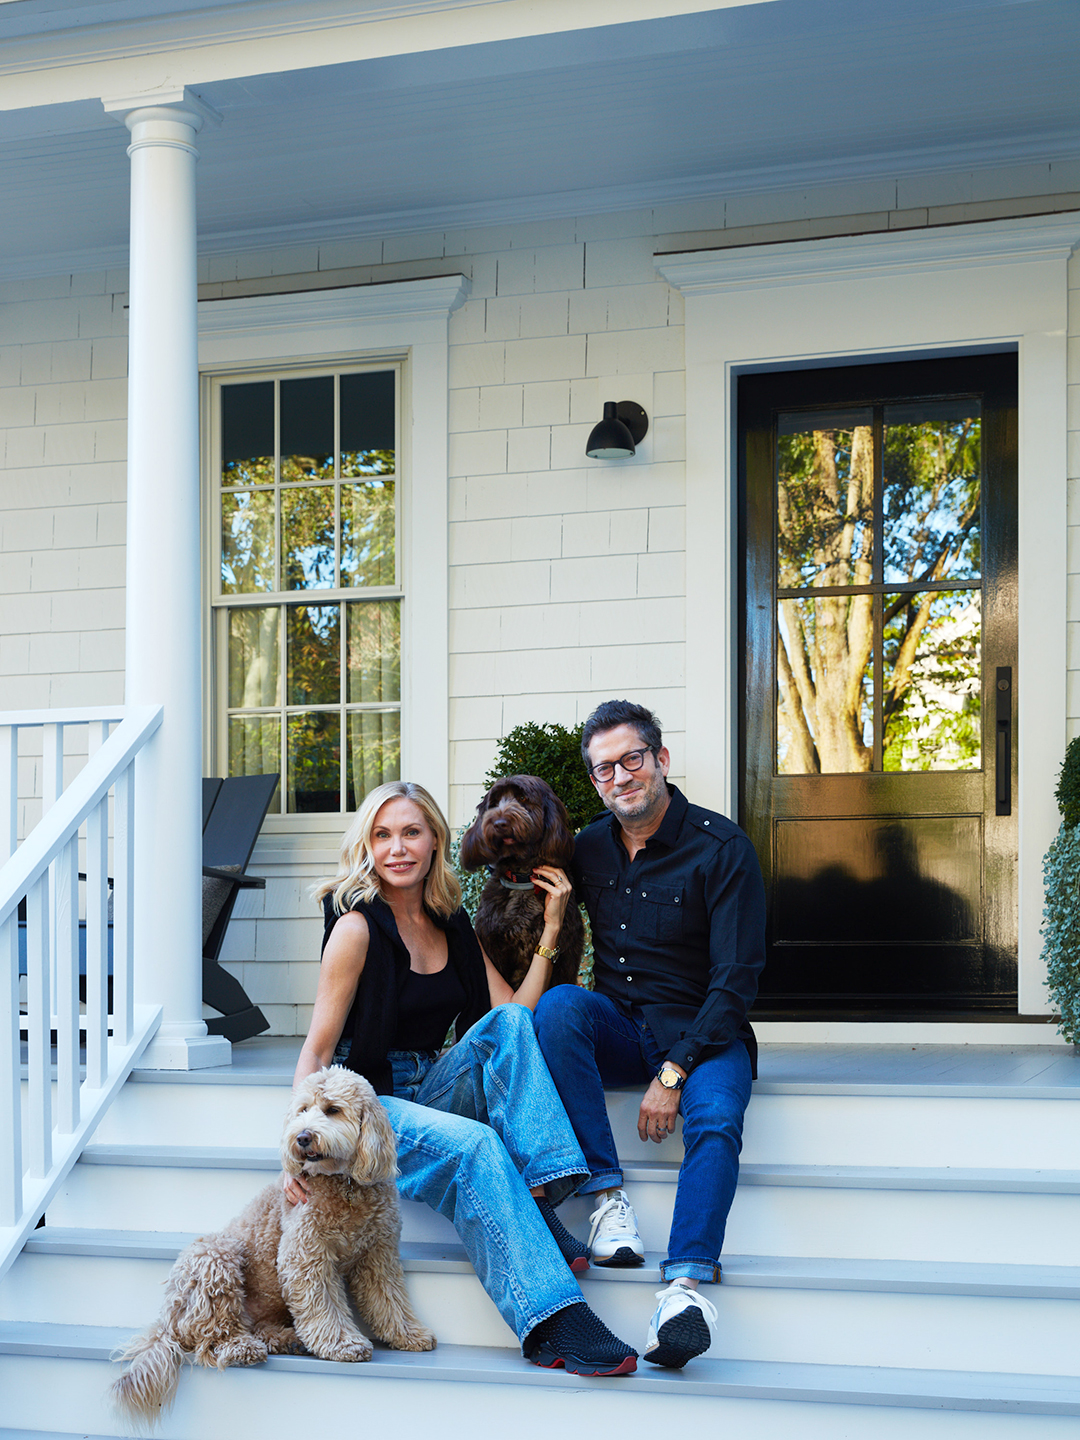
x,y
932,497
247,433
932,698
307,428
314,762
314,655
307,538
247,542
374,652
824,701
254,658
825,498
367,424
374,752
367,533
255,749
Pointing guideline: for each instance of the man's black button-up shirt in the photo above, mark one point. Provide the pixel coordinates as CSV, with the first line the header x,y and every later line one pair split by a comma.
x,y
680,929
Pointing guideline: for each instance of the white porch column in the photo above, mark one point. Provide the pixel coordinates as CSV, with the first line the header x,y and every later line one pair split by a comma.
x,y
163,571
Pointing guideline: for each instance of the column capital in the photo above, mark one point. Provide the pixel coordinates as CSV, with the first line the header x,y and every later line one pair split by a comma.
x,y
179,105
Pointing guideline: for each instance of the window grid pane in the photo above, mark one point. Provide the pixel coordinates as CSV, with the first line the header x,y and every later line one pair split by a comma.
x,y
303,679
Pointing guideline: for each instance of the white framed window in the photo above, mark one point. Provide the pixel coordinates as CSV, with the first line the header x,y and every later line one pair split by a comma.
x,y
295,339
305,580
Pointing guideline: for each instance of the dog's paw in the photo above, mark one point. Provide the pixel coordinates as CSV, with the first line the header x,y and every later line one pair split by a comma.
x,y
351,1350
281,1340
240,1350
415,1338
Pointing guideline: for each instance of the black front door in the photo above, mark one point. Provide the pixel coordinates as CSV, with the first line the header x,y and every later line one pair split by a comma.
x,y
879,621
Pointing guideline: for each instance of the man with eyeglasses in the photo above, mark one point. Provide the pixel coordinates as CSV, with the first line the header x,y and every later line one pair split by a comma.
x,y
677,907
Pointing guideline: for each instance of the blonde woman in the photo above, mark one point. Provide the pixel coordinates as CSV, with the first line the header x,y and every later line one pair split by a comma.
x,y
482,1135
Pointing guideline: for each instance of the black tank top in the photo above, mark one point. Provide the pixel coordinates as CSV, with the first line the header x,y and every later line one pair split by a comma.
x,y
427,1007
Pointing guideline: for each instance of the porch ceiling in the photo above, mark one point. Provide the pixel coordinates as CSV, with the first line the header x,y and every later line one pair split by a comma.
x,y
751,97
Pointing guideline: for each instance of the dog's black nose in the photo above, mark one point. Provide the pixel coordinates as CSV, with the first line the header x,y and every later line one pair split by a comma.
x,y
303,1140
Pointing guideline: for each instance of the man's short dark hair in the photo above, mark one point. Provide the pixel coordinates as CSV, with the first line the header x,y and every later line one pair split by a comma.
x,y
613,713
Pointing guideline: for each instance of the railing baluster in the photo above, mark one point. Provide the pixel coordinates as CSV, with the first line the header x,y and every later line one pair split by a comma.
x,y
10,1080
9,790
39,1108
123,905
97,945
52,785
67,987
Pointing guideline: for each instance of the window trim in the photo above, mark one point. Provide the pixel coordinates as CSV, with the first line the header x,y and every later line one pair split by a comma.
x,y
404,322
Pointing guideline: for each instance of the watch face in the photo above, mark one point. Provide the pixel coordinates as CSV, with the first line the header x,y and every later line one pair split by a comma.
x,y
669,1078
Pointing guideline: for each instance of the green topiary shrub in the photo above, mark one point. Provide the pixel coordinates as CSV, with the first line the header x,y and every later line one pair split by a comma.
x,y
554,753
1061,910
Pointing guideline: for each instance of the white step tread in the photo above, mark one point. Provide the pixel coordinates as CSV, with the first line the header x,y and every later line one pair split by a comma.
x,y
841,1177
919,1277
833,1384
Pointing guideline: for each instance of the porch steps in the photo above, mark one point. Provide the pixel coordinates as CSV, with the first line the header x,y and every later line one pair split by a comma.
x,y
895,1258
876,1400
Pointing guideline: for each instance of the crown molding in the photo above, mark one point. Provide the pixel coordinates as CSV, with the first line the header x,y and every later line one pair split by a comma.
x,y
806,262
313,310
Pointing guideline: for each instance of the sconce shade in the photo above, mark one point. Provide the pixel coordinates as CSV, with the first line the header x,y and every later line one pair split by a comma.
x,y
618,434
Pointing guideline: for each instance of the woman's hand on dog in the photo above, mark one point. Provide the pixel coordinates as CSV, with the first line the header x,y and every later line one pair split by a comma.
x,y
559,891
296,1189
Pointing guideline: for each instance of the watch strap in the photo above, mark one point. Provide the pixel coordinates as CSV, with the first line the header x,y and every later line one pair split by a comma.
x,y
546,952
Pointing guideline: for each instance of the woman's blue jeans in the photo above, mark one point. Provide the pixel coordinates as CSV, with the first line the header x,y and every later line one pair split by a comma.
x,y
588,1040
486,1126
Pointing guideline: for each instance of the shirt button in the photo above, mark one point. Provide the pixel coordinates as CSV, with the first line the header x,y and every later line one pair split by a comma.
x,y
705,822
622,959
622,927
643,894
628,889
676,899
629,978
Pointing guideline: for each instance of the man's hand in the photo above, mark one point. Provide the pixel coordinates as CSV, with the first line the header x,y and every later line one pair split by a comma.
x,y
656,1118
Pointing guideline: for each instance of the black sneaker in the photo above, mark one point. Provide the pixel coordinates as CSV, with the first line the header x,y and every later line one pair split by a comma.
x,y
574,1251
576,1340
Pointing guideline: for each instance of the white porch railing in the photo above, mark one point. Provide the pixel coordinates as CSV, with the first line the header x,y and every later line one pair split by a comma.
x,y
41,1140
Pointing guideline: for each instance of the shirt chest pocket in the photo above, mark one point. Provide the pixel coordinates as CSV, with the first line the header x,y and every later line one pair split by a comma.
x,y
598,892
660,908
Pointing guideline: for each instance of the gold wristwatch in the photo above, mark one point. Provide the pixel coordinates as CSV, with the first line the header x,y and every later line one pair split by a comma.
x,y
669,1077
546,953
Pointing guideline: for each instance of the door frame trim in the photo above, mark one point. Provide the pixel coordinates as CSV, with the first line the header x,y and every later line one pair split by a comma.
x,y
928,293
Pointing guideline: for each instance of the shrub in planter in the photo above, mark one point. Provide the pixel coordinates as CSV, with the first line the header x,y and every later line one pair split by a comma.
x,y
1061,912
553,753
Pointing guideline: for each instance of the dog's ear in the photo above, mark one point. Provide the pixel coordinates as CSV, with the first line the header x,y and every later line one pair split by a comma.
x,y
558,842
376,1149
471,854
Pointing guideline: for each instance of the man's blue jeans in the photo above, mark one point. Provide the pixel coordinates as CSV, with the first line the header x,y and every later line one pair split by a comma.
x,y
587,1041
486,1127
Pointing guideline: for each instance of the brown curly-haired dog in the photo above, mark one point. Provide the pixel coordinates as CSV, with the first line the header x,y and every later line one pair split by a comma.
x,y
521,823
278,1278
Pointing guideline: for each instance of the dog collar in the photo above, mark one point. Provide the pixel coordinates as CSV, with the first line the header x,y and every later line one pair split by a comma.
x,y
511,882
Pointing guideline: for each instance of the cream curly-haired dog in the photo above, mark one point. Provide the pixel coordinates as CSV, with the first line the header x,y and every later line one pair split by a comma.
x,y
278,1278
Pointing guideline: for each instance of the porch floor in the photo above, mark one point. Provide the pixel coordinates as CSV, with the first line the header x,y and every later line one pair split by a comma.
x,y
1023,1071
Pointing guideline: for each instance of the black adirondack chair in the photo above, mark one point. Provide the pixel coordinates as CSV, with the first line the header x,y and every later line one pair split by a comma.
x,y
233,813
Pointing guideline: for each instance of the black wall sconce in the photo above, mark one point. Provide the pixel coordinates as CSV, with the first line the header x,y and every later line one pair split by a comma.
x,y
619,433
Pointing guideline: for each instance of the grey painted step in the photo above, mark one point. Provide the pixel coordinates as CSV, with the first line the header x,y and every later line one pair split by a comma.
x,y
718,1379
1047,1282
842,1177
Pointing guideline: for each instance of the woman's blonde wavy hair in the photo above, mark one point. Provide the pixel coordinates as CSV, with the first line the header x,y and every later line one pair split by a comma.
x,y
356,879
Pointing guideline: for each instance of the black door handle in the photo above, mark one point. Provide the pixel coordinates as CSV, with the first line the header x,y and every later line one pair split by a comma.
x,y
1003,755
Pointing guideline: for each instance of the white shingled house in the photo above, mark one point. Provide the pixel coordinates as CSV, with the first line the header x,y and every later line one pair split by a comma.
x,y
307,315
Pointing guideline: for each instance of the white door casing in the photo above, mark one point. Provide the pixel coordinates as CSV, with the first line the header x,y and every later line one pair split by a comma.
x,y
931,292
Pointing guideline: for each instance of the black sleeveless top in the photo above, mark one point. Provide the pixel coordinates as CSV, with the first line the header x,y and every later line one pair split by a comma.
x,y
371,1027
427,1007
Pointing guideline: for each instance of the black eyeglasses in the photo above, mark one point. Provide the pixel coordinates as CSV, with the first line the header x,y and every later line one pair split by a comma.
x,y
633,760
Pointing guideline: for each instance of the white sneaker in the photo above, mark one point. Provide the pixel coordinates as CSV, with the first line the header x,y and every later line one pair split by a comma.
x,y
681,1327
613,1239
